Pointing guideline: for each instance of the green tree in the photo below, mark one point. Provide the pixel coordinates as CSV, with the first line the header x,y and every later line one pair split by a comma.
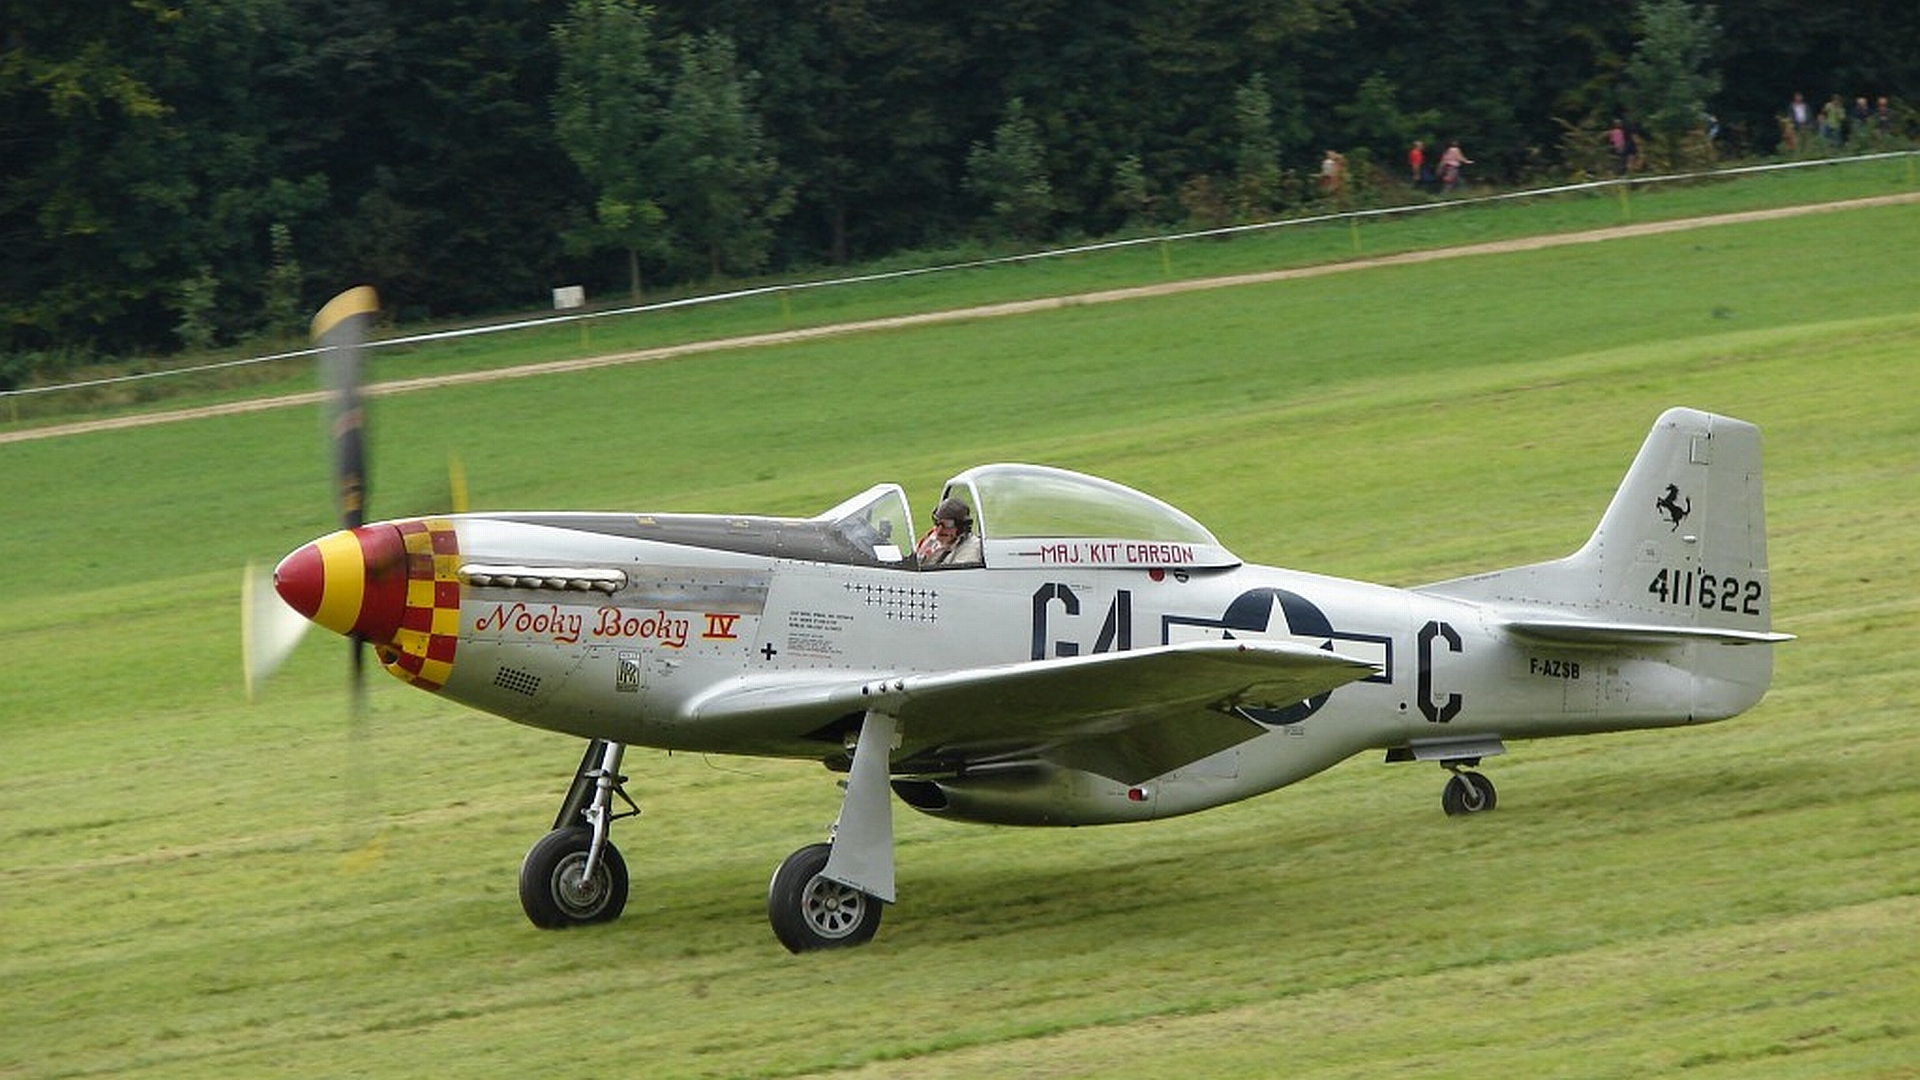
x,y
282,305
1131,195
153,141
198,296
382,241
1009,175
468,138
858,99
93,187
607,117
721,187
1374,119
1256,165
1668,78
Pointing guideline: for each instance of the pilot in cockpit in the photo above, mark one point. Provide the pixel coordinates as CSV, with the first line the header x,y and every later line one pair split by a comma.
x,y
951,541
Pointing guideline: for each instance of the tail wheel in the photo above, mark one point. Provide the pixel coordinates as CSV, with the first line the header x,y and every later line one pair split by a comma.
x,y
1467,793
809,912
556,893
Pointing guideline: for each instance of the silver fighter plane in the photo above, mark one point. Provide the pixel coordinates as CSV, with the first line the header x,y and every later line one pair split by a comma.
x,y
1063,650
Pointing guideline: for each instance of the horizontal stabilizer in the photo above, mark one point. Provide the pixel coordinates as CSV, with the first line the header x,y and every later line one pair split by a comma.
x,y
1577,632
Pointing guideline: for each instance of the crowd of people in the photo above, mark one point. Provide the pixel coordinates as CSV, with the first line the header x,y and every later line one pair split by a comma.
x,y
1445,174
1836,123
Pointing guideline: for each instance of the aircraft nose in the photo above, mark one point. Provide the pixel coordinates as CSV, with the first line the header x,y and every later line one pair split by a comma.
x,y
351,582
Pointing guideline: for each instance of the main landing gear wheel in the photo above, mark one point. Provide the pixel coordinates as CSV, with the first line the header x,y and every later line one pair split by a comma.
x,y
556,893
809,912
1467,793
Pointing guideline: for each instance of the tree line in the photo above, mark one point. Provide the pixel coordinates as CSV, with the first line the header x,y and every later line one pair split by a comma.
x,y
179,175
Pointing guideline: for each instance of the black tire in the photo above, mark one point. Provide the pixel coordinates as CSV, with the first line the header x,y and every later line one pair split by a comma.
x,y
809,912
551,891
1467,793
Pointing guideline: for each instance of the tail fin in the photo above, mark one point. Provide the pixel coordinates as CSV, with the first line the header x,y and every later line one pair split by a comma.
x,y
1679,558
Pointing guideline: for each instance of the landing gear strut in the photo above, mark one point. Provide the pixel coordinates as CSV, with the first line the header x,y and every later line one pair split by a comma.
x,y
573,876
1467,792
829,896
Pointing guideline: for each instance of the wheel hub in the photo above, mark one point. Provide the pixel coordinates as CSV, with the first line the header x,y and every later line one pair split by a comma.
x,y
581,895
833,909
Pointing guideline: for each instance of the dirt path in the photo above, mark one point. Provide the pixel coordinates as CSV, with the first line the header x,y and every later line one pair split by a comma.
x,y
989,311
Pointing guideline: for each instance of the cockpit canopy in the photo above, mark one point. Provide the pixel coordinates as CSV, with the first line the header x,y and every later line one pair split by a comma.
x,y
1033,515
1024,516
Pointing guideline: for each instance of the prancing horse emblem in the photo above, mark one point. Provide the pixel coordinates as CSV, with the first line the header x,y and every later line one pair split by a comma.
x,y
1670,508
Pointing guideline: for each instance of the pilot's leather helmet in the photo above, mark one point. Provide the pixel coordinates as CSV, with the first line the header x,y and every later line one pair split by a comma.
x,y
954,510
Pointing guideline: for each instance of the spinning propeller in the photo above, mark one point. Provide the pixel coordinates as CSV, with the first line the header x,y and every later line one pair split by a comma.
x,y
271,625
270,628
353,580
341,330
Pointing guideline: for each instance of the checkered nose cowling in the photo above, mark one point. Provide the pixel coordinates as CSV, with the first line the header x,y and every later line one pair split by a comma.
x,y
395,584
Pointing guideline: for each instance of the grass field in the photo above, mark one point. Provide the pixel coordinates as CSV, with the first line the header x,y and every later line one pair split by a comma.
x,y
193,886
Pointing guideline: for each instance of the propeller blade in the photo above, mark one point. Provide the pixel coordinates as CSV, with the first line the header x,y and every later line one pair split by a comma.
x,y
341,328
269,629
456,484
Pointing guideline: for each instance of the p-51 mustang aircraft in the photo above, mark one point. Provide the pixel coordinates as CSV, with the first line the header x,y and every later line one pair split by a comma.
x,y
1098,656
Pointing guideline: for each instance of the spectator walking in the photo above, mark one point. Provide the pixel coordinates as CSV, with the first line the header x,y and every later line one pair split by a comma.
x,y
1451,163
1619,144
1333,175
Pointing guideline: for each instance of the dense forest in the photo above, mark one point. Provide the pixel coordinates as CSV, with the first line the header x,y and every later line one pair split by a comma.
x,y
179,175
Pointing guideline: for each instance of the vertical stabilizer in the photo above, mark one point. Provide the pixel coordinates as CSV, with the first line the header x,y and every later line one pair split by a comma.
x,y
1683,544
1678,562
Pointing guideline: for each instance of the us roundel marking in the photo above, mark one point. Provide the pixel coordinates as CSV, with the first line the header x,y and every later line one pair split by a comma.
x,y
1269,614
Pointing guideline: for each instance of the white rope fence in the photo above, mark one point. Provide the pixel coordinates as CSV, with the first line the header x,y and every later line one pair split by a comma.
x,y
976,264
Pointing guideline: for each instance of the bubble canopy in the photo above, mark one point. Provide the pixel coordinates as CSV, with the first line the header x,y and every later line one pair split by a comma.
x,y
1039,515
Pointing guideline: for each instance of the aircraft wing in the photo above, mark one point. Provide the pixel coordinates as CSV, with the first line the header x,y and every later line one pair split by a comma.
x,y
1130,715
